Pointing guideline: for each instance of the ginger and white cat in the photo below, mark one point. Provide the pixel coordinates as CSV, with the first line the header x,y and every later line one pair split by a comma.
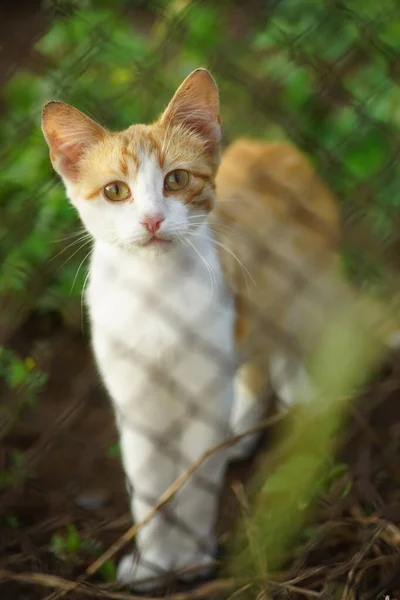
x,y
196,305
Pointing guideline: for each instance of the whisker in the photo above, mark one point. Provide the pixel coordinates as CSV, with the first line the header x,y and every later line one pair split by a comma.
x,y
70,236
226,235
224,247
219,217
73,254
229,251
206,264
83,294
79,268
86,237
221,228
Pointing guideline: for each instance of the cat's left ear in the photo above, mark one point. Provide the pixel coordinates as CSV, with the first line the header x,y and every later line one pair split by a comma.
x,y
195,106
69,134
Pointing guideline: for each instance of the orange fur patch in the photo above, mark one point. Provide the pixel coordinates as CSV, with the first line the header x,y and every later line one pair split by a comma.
x,y
123,161
118,155
279,224
93,194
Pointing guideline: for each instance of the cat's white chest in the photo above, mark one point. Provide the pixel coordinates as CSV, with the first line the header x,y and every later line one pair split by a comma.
x,y
156,308
171,316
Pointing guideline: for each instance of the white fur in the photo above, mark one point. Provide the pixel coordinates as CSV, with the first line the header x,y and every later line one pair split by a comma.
x,y
162,333
144,313
162,337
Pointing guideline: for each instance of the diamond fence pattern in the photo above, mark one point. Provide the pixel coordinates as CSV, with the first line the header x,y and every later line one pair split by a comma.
x,y
323,74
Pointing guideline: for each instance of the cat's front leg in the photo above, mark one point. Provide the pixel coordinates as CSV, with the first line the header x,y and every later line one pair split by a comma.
x,y
150,464
197,500
181,536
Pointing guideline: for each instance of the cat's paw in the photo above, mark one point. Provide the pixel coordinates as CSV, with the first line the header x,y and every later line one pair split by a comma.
x,y
133,573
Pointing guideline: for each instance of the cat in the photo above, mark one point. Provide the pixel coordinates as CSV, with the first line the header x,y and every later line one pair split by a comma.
x,y
196,306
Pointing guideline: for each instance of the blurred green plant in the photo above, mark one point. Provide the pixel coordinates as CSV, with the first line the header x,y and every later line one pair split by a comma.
x,y
114,451
95,59
23,382
16,471
12,520
300,468
306,71
67,545
332,68
16,372
76,549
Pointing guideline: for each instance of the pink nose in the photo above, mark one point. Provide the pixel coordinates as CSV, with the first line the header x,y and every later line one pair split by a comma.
x,y
152,223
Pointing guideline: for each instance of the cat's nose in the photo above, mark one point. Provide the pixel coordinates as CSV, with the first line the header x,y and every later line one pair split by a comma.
x,y
152,223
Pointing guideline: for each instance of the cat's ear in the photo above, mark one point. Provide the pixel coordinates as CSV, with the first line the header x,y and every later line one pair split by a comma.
x,y
195,105
69,134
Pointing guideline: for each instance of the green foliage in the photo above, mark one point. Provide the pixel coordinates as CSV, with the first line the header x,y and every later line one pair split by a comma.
x,y
114,451
67,545
16,472
22,383
17,372
301,468
108,571
12,520
96,59
308,47
72,547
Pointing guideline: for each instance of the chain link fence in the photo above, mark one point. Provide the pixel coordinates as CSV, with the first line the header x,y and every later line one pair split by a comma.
x,y
322,75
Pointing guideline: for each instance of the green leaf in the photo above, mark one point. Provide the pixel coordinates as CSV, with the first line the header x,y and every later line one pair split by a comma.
x,y
297,88
366,155
13,521
390,33
73,540
57,545
108,571
114,451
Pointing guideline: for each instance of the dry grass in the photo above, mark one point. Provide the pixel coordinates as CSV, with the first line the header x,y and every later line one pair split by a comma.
x,y
350,549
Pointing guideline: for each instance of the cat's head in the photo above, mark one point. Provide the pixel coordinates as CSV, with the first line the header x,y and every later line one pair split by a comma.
x,y
146,187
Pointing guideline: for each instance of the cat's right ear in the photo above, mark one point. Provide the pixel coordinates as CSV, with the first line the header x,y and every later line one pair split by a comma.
x,y
69,134
195,106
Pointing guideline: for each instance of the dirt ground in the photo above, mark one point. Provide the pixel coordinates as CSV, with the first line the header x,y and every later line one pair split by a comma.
x,y
66,441
72,476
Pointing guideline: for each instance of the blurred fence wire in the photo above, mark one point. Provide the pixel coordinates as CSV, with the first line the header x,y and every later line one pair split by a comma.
x,y
323,74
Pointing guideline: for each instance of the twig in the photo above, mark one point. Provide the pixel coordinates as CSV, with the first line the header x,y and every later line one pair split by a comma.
x,y
202,591
52,581
294,588
357,559
332,570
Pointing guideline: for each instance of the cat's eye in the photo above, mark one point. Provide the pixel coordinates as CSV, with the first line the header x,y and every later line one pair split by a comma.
x,y
176,180
117,191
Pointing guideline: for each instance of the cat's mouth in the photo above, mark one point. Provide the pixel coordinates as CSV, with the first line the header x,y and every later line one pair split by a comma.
x,y
157,241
